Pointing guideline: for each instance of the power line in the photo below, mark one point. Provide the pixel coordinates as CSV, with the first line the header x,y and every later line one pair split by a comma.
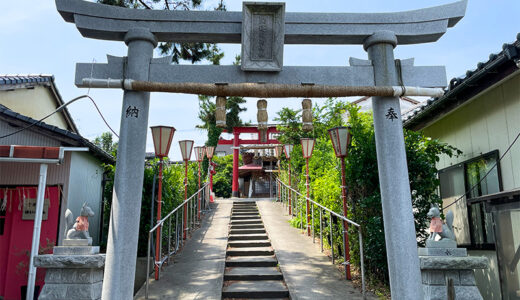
x,y
60,108
488,172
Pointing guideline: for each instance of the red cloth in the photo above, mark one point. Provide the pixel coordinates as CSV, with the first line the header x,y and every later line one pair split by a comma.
x,y
436,224
82,223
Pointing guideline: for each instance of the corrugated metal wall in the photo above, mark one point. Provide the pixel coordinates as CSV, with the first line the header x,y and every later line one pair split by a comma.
x,y
26,137
85,178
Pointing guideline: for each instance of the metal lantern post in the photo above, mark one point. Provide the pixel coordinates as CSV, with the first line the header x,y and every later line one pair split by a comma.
x,y
162,139
288,149
307,148
209,154
340,137
199,156
186,147
278,153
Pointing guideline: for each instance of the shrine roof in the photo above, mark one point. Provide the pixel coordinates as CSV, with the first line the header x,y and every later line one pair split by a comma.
x,y
251,167
464,88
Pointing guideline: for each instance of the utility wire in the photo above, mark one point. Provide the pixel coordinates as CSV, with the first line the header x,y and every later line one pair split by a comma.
x,y
60,108
484,177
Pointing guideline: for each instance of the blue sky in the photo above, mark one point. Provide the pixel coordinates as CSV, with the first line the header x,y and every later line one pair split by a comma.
x,y
35,39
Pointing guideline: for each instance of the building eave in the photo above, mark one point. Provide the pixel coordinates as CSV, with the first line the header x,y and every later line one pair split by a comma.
x,y
462,90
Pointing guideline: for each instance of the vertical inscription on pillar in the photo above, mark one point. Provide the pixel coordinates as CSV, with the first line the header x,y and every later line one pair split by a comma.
x,y
263,35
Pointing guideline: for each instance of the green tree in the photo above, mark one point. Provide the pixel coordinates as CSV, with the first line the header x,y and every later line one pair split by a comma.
x,y
193,52
364,200
106,142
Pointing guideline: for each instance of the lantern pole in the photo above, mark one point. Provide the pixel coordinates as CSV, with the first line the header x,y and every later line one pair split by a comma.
x,y
290,186
185,196
308,194
158,232
198,212
345,223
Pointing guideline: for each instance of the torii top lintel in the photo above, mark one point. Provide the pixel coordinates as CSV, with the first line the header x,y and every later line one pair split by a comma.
x,y
105,22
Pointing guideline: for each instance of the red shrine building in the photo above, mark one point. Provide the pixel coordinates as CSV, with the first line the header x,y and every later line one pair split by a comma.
x,y
254,177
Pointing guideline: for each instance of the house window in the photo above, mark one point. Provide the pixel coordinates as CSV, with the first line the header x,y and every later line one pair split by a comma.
x,y
474,226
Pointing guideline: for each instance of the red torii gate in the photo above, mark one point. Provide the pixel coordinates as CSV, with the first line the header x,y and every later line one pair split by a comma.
x,y
237,142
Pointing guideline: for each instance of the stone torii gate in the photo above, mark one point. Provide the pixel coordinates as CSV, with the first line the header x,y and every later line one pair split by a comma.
x,y
263,29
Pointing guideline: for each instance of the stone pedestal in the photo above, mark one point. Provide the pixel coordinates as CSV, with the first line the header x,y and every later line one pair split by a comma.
x,y
439,264
73,272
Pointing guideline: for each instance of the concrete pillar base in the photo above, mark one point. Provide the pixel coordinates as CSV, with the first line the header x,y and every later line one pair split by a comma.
x,y
74,272
438,265
235,194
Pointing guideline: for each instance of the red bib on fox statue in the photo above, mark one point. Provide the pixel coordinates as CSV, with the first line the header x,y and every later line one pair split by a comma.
x,y
436,224
81,223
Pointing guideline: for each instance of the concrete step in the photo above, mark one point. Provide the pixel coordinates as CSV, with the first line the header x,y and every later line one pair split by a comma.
x,y
241,237
249,243
244,205
255,273
251,261
234,214
250,251
246,222
255,289
248,226
246,217
247,231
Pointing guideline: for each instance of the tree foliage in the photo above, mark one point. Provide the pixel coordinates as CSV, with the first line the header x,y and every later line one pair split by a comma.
x,y
172,192
193,52
364,200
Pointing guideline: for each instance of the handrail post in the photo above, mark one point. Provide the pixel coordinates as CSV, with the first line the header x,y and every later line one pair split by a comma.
x,y
312,225
362,262
169,238
176,231
148,265
300,206
321,230
331,237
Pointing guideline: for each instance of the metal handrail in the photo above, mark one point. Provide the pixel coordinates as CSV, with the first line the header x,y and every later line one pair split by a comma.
x,y
192,216
283,195
323,207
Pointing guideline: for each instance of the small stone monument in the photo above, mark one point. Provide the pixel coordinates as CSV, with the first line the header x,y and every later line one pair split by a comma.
x,y
447,271
74,270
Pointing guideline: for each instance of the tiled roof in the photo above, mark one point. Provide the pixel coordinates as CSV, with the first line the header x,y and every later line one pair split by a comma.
x,y
8,80
9,115
464,88
19,81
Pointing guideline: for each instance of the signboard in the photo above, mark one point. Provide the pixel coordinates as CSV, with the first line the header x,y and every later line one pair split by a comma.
x,y
263,30
29,209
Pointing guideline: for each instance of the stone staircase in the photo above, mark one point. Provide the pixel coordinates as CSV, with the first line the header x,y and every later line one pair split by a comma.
x,y
251,267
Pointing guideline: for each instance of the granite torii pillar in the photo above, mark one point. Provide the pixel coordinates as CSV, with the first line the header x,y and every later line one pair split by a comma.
x,y
128,182
379,33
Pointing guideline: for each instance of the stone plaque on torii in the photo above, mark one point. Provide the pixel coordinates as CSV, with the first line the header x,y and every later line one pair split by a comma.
x,y
263,29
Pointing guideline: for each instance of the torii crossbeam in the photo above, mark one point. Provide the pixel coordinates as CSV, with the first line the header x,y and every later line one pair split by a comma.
x,y
262,29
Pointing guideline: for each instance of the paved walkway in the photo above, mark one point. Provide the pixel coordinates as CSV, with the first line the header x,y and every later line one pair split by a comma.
x,y
198,269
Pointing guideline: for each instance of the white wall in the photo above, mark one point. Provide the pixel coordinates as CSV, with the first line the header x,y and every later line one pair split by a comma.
x,y
489,122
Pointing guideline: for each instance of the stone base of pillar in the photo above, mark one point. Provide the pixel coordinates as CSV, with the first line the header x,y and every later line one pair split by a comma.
x,y
235,194
439,265
72,272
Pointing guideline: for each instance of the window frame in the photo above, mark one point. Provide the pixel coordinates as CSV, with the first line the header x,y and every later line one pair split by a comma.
x,y
474,201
